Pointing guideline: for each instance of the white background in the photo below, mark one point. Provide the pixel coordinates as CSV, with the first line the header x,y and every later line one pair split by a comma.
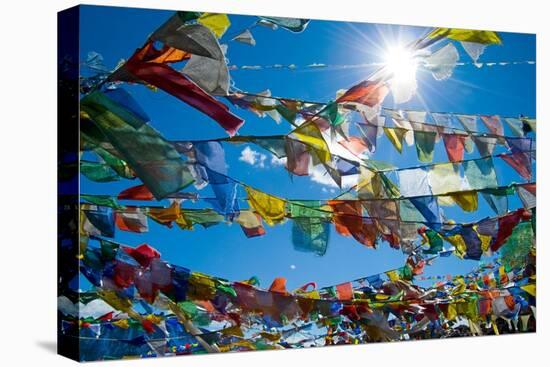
x,y
28,180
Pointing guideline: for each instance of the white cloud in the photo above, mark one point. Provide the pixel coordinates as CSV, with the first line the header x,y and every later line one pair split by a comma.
x,y
320,175
292,266
253,157
275,161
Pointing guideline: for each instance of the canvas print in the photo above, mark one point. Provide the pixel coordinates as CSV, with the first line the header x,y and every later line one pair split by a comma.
x,y
233,183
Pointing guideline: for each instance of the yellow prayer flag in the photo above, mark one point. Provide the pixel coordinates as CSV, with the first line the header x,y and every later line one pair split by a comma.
x,y
369,185
217,23
270,208
395,136
531,289
309,134
393,275
451,312
467,35
458,242
466,200
122,323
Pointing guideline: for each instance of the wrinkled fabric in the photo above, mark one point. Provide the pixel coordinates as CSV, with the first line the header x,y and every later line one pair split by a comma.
x,y
98,172
194,39
468,35
310,135
297,157
469,122
480,173
409,133
250,223
474,50
98,220
454,145
349,221
485,144
516,126
425,144
132,220
217,23
414,182
442,62
444,178
493,124
311,226
211,157
366,92
139,192
344,291
527,195
164,77
395,136
466,200
270,208
497,200
519,161
506,226
355,145
154,160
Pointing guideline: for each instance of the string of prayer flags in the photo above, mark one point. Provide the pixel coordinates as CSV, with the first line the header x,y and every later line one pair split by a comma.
x,y
291,24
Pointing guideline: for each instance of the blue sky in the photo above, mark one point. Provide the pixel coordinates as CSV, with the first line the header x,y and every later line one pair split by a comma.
x,y
223,250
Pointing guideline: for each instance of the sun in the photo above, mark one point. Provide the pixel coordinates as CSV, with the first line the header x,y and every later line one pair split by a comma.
x,y
401,63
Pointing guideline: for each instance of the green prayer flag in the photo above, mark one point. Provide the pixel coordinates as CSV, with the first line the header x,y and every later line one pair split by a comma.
x,y
98,172
425,143
155,161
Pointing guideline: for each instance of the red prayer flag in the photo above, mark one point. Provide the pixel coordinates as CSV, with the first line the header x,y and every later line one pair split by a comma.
x,y
349,221
355,145
454,145
140,192
520,161
278,286
493,124
164,77
506,225
143,254
366,92
345,291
